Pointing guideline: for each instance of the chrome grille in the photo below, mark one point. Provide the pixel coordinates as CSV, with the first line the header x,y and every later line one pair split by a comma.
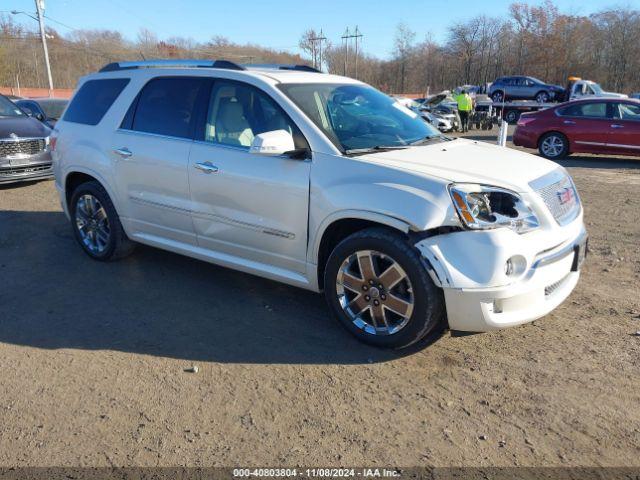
x,y
17,148
24,170
559,195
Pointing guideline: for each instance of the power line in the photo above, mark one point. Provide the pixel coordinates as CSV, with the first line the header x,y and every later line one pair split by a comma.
x,y
356,35
317,39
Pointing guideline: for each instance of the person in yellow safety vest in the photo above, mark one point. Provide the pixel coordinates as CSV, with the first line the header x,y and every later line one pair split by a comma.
x,y
465,106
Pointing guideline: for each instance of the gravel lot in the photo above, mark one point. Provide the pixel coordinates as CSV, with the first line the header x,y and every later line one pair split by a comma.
x,y
93,360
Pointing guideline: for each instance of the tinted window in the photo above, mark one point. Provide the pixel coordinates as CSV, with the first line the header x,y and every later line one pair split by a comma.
x,y
597,110
167,106
238,112
93,100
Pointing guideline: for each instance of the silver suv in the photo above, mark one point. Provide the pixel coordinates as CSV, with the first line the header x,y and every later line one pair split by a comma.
x,y
321,182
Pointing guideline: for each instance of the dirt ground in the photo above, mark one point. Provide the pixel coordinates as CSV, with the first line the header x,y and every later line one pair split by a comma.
x,y
93,359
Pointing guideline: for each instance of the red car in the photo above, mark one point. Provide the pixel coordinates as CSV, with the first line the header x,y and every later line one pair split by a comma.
x,y
597,125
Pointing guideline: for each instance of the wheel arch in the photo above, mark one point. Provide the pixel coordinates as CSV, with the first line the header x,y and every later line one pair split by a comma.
x,y
76,176
339,226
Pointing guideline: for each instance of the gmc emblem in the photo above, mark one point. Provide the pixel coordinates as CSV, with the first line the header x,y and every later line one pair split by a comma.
x,y
565,195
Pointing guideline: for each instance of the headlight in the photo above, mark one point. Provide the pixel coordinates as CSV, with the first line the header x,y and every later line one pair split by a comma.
x,y
483,207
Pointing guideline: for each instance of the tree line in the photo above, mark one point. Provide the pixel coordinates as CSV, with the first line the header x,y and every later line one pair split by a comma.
x,y
536,40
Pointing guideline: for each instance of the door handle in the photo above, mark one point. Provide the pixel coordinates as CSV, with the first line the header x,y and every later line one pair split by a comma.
x,y
206,167
569,122
124,152
616,125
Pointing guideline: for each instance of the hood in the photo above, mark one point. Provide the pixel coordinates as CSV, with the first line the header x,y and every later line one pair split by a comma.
x,y
23,127
470,162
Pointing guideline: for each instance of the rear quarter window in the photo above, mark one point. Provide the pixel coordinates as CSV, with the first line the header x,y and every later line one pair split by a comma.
x,y
93,100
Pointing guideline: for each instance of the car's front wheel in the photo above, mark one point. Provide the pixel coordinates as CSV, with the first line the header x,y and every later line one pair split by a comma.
x,y
378,287
553,145
96,225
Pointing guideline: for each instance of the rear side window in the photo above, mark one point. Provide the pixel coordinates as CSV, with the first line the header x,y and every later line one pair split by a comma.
x,y
592,110
167,106
93,100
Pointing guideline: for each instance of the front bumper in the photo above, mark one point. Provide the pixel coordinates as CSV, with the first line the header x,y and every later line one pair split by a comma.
x,y
479,296
34,167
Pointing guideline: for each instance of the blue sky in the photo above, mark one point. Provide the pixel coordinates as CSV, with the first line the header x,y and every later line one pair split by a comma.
x,y
279,23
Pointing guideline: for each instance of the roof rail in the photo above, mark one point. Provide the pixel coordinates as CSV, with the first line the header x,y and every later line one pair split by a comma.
x,y
226,64
281,66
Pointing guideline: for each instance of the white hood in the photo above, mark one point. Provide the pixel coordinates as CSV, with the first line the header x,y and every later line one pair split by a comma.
x,y
468,161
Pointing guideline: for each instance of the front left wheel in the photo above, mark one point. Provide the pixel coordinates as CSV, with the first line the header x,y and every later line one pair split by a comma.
x,y
378,287
96,225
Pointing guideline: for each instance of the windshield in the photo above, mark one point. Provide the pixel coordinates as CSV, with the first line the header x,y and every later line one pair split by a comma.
x,y
53,108
595,88
9,109
356,117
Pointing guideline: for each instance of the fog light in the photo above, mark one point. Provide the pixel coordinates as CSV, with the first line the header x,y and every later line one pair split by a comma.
x,y
515,265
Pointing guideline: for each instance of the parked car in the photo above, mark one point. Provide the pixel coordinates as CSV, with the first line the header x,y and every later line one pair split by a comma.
x,y
635,95
24,145
443,122
47,110
595,125
524,88
321,182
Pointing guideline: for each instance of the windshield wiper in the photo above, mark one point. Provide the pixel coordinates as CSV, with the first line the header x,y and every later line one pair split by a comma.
x,y
430,138
377,148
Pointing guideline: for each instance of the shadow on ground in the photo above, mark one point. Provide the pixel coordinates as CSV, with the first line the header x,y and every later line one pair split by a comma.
x,y
157,303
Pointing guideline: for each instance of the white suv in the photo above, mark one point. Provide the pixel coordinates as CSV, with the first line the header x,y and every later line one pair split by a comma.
x,y
321,182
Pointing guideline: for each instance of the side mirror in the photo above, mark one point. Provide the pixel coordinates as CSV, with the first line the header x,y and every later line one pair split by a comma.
x,y
40,117
276,142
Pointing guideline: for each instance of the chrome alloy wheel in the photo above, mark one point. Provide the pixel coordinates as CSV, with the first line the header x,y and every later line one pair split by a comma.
x,y
375,292
92,223
552,146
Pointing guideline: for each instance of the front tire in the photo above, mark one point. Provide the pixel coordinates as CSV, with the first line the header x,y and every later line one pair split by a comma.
x,y
378,287
553,145
497,97
96,225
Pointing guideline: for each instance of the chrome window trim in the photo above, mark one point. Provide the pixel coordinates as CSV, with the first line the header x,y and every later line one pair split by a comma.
x,y
153,135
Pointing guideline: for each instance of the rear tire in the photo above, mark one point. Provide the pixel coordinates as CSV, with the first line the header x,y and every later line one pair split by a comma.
x,y
542,97
96,225
364,298
553,145
497,97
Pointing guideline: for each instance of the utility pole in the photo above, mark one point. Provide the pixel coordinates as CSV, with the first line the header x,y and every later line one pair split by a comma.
x,y
356,36
345,39
320,38
40,10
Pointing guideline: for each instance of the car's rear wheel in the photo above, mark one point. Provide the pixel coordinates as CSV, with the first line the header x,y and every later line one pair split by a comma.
x,y
96,225
542,97
378,287
553,145
497,97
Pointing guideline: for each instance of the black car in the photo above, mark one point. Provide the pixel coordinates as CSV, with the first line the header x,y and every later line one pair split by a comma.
x,y
524,88
47,110
24,145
